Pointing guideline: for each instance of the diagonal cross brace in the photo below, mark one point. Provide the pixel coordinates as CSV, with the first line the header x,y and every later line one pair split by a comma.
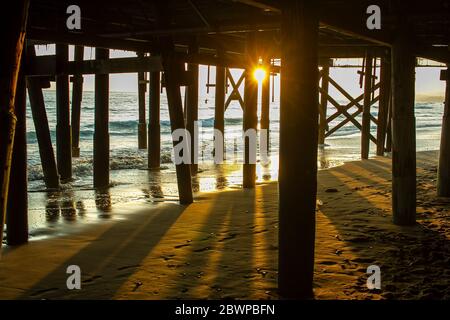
x,y
235,89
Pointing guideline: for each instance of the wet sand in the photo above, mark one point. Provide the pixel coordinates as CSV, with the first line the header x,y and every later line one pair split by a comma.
x,y
225,245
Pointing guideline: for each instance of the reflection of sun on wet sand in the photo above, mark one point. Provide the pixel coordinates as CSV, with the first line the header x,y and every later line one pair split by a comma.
x,y
225,245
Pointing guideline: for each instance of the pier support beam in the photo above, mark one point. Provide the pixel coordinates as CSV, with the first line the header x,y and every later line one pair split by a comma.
x,y
142,125
37,104
77,95
365,127
63,131
154,128
298,148
250,113
219,111
389,123
383,109
101,131
12,33
172,73
192,107
17,213
323,103
403,131
265,106
443,180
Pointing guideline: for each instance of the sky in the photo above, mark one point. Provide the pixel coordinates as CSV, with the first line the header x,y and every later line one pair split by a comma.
x,y
427,79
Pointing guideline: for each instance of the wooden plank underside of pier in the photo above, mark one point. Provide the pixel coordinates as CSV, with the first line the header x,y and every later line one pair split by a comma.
x,y
132,25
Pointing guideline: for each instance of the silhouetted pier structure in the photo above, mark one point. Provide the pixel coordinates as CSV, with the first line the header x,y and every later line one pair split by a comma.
x,y
226,34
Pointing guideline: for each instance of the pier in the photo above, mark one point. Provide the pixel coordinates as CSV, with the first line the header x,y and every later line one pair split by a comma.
x,y
171,39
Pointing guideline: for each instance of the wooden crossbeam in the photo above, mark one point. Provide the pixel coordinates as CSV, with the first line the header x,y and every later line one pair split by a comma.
x,y
45,65
353,102
346,107
347,120
235,89
343,110
341,124
351,99
340,108
346,94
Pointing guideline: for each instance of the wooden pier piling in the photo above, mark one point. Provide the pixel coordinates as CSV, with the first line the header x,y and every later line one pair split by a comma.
x,y
219,110
77,95
101,131
443,180
12,33
389,123
173,72
63,131
154,128
142,124
37,104
298,148
17,212
192,106
323,103
365,126
250,112
403,131
383,109
265,105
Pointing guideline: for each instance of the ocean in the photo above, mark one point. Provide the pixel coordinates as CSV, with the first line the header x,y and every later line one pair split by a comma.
x,y
51,213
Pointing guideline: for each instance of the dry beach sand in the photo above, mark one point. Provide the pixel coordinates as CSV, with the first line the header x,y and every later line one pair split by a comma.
x,y
225,245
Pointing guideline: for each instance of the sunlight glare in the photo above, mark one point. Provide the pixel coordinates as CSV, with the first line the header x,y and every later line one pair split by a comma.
x,y
259,74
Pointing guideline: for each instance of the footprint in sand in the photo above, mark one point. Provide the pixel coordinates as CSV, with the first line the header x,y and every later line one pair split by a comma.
x,y
182,245
228,237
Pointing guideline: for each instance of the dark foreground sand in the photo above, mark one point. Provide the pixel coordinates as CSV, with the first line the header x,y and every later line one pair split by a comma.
x,y
225,246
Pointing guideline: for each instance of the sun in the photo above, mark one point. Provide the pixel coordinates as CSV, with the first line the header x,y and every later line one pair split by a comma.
x,y
259,74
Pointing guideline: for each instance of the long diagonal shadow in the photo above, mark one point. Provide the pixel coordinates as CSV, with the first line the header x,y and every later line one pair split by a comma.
x,y
235,265
219,259
411,258
110,259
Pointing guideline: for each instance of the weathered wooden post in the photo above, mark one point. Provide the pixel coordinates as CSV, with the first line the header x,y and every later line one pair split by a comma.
x,y
443,180
154,128
323,102
389,123
12,33
142,125
250,112
173,71
37,104
265,105
403,130
365,126
17,212
77,96
219,111
63,131
101,131
385,96
298,148
192,106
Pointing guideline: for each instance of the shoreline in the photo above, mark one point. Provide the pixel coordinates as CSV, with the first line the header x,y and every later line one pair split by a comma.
x,y
53,213
224,245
